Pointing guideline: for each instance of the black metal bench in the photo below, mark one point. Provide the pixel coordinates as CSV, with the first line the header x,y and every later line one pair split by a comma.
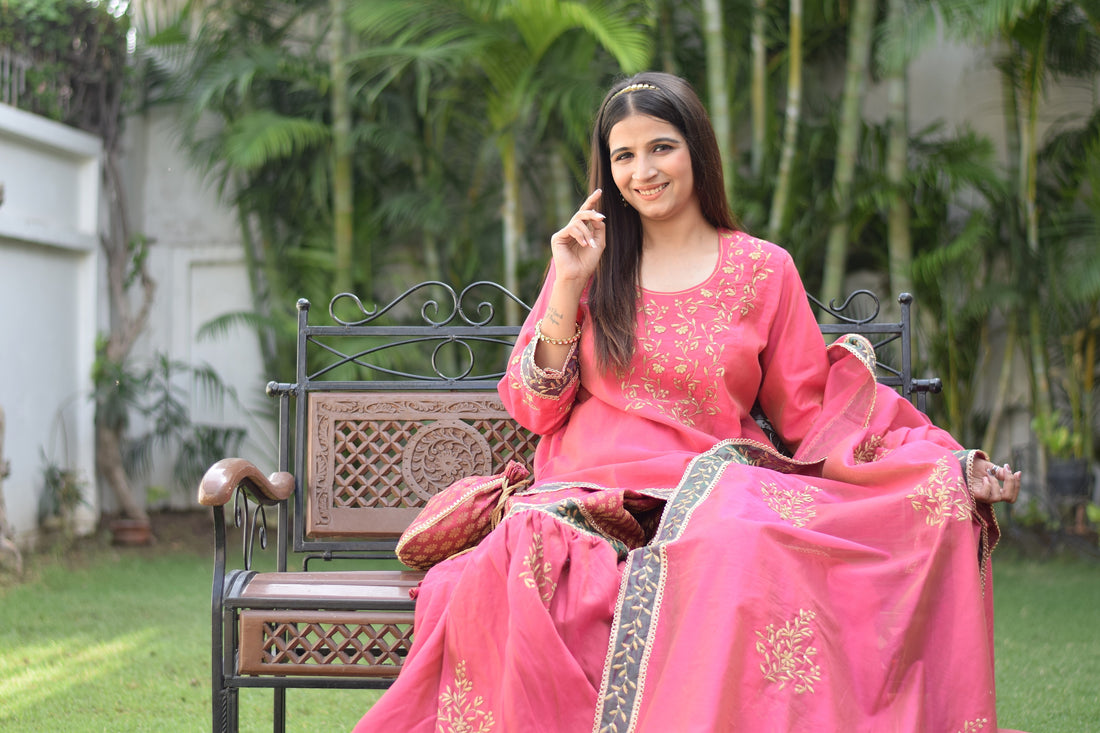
x,y
389,406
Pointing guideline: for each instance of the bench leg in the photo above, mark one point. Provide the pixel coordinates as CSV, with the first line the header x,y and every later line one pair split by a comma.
x,y
279,710
226,714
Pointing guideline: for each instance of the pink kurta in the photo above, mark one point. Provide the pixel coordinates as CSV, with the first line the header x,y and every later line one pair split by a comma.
x,y
669,571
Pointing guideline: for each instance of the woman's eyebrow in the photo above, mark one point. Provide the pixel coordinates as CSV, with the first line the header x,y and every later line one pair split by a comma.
x,y
651,142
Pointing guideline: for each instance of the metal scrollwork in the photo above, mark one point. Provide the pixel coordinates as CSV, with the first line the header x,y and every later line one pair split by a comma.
x,y
430,309
467,357
838,311
484,308
253,522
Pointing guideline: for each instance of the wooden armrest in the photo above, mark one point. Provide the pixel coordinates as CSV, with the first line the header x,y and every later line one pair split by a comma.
x,y
222,479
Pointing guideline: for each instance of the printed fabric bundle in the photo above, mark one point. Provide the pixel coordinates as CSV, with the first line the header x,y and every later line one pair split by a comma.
x,y
459,516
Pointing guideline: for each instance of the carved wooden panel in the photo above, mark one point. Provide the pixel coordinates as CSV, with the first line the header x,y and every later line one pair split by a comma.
x,y
331,643
376,458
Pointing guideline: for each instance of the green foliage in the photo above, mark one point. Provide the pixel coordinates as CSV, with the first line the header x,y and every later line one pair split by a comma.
x,y
75,52
1056,438
127,394
61,493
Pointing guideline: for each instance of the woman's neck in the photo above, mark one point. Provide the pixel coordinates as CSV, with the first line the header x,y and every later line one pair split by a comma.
x,y
677,255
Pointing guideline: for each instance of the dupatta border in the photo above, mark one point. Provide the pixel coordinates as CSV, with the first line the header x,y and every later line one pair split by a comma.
x,y
642,591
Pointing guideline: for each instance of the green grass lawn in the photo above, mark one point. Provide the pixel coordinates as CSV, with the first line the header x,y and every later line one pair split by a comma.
x,y
105,639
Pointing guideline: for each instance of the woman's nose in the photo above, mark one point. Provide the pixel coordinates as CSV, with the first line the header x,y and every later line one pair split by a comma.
x,y
643,168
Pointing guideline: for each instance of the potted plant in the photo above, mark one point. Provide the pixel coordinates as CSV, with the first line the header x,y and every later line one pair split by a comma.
x,y
1067,462
151,394
62,492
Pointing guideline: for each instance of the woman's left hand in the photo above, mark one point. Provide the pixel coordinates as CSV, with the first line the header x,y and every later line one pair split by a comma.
x,y
992,483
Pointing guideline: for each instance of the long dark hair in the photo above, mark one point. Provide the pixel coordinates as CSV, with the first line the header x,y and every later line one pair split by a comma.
x,y
612,297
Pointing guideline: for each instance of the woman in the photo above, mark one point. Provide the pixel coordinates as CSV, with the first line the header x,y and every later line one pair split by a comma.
x,y
669,570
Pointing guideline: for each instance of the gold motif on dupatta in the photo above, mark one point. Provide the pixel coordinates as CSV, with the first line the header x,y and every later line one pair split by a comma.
x,y
972,725
941,497
788,656
870,450
792,505
460,711
537,574
681,348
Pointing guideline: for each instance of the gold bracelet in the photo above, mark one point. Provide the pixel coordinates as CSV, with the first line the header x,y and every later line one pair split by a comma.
x,y
540,336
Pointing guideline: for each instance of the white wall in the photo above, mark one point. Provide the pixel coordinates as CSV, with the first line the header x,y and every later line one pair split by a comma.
x,y
199,266
48,265
53,297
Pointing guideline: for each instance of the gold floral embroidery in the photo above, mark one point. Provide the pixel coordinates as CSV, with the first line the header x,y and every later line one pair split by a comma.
x,y
972,725
749,274
788,656
941,497
870,450
459,710
682,347
793,505
537,574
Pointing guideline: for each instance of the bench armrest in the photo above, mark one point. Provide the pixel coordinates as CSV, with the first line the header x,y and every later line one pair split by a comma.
x,y
222,479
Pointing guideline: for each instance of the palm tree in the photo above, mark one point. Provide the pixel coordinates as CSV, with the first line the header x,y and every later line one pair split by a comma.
x,y
793,116
343,191
714,39
861,25
1042,40
510,43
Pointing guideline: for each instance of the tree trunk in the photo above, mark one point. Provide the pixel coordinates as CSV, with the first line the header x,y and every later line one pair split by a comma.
x,y
342,151
899,238
1000,397
859,52
513,223
760,85
260,281
667,39
126,323
108,459
778,215
714,40
1029,163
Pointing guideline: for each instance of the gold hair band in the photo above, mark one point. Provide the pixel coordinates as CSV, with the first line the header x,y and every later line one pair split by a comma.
x,y
634,88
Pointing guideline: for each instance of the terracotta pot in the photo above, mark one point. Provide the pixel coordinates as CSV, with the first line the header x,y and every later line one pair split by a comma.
x,y
131,532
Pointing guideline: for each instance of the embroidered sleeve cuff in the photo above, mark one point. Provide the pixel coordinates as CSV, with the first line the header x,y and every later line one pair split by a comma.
x,y
986,518
549,383
966,463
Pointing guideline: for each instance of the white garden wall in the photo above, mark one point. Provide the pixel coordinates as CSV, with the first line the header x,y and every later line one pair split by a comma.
x,y
48,306
53,300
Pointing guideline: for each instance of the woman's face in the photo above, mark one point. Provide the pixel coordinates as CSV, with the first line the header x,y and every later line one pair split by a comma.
x,y
651,166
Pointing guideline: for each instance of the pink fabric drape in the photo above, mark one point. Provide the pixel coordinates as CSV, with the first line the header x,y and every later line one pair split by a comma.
x,y
669,571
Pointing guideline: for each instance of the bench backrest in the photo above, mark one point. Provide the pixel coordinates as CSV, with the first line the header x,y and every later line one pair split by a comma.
x,y
392,404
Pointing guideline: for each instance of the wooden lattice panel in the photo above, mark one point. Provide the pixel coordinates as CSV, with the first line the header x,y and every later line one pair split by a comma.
x,y
331,643
376,458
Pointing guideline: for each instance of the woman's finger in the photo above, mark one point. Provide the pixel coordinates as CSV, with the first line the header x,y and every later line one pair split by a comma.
x,y
590,202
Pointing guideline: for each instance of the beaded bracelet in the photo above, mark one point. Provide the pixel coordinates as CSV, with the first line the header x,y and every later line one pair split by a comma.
x,y
540,336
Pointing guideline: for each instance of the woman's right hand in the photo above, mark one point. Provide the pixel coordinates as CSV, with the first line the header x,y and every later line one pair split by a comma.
x,y
577,246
